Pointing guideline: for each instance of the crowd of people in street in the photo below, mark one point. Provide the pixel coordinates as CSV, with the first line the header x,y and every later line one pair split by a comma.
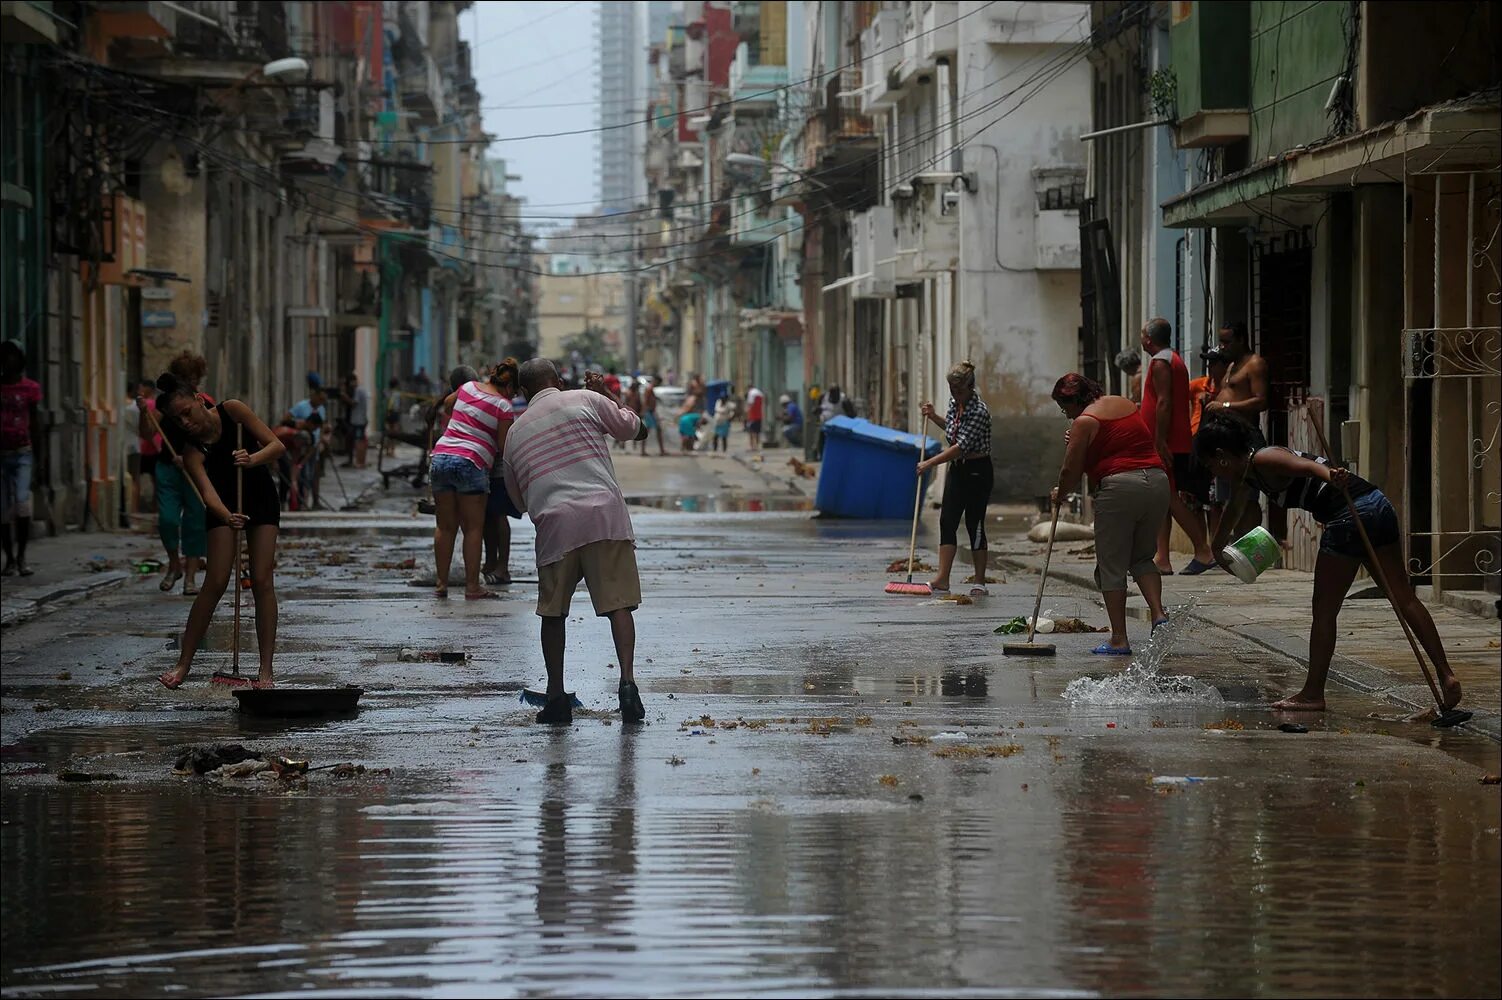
x,y
517,441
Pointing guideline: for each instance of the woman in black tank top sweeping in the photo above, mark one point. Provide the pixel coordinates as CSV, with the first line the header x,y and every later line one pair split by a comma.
x,y
1235,450
213,458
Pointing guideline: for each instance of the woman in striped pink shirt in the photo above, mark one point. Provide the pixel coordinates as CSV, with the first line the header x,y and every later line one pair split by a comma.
x,y
479,415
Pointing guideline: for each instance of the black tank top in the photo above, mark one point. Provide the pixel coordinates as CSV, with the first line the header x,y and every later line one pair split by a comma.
x,y
1318,497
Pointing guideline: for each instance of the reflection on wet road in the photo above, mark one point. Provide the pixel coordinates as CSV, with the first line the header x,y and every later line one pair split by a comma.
x,y
793,821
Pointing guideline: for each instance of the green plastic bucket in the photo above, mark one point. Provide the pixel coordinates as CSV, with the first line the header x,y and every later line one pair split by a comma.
x,y
1252,554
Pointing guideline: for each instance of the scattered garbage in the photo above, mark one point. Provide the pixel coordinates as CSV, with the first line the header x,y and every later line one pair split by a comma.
x,y
1227,724
243,769
145,567
88,776
202,760
1491,779
950,737
410,655
900,566
401,564
98,564
1180,779
1016,626
957,598
1292,727
676,761
889,780
1065,532
1068,626
991,750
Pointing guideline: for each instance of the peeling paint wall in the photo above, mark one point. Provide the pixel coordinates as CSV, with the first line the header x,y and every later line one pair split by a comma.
x,y
1017,323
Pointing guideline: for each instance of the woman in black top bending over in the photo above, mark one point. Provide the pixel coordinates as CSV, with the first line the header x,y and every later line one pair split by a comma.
x,y
1234,449
223,438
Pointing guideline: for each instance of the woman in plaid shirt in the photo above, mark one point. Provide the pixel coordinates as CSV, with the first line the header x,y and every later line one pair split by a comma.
x,y
967,488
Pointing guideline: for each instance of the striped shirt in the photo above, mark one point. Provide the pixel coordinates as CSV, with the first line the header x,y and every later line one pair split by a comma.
x,y
473,431
558,470
970,428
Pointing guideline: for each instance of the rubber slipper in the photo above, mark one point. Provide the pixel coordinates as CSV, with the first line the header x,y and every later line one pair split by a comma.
x,y
1195,568
1106,649
1160,621
189,590
168,582
166,681
979,592
938,590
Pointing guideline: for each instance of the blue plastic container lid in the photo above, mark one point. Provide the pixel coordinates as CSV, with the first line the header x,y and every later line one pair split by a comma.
x,y
860,429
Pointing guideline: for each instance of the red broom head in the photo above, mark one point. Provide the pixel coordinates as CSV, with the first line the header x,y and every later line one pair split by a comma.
x,y
910,589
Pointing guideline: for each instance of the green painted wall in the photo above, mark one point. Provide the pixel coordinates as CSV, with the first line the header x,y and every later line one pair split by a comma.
x,y
1298,50
1209,52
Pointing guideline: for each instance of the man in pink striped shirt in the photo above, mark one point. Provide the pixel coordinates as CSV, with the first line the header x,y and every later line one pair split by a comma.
x,y
558,470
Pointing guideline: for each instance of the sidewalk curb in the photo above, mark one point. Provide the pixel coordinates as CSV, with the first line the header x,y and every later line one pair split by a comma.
x,y
16,611
1346,671
771,480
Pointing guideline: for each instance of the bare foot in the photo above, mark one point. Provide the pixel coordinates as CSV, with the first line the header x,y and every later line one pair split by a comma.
x,y
1450,687
1299,703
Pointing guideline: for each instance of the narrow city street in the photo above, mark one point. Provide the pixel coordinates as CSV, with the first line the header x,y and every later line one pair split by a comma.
x,y
837,791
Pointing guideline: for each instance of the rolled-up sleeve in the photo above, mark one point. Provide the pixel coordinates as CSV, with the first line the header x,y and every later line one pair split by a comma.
x,y
619,422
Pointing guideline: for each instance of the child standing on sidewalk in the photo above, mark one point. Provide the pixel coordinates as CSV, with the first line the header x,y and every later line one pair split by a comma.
x,y
724,414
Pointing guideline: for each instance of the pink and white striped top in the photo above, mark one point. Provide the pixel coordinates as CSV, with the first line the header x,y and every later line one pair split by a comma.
x,y
474,429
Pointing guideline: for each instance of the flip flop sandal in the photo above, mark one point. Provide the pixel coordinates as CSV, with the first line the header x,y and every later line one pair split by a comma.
x,y
1195,568
442,593
938,590
495,579
979,591
189,590
1160,621
168,582
1106,649
166,681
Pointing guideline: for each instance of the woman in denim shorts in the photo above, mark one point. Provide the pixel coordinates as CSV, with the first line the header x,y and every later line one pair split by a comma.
x,y
479,415
1233,448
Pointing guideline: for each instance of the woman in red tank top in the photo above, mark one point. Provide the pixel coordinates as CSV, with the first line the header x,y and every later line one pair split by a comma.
x,y
1108,442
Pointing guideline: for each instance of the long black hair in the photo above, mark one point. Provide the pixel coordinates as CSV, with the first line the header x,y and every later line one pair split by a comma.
x,y
1227,432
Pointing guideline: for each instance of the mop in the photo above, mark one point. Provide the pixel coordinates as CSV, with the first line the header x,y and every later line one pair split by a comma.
x,y
910,588
234,679
1031,648
1447,717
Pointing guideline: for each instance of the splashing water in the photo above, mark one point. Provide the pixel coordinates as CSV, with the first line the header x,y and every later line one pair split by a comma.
x,y
1143,683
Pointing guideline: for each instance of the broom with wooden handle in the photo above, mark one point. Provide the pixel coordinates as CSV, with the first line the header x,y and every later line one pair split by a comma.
x,y
1031,648
234,678
1447,717
910,588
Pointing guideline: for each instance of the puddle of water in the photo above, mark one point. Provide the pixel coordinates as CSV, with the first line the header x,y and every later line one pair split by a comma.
x,y
723,503
1143,684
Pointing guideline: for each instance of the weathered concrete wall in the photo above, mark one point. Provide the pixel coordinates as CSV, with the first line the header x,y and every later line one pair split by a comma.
x,y
1019,325
176,240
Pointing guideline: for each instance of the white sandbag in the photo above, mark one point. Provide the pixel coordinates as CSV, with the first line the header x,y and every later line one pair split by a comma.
x,y
1068,532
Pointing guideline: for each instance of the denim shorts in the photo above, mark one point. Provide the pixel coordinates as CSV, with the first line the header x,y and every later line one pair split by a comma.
x,y
1378,517
15,484
457,474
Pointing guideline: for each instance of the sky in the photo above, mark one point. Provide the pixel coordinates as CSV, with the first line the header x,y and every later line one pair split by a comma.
x,y
529,53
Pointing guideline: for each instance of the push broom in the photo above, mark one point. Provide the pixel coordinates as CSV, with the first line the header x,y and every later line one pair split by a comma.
x,y
910,588
1031,648
234,678
1447,717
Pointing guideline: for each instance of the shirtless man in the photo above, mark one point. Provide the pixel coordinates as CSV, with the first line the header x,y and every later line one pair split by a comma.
x,y
1243,391
649,416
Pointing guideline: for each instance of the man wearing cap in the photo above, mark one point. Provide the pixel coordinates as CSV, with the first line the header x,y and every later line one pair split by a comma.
x,y
792,421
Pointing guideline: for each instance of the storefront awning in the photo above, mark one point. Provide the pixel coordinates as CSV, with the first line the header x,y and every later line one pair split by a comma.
x,y
1453,136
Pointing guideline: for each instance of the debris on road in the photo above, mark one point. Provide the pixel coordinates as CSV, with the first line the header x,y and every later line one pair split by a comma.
x,y
991,750
243,769
1491,779
957,598
1228,724
202,760
1292,727
1071,626
1179,779
89,776
1066,532
676,761
889,780
949,737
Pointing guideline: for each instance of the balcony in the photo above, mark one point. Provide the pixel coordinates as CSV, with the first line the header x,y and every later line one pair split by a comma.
x,y
756,89
882,45
422,91
939,33
928,240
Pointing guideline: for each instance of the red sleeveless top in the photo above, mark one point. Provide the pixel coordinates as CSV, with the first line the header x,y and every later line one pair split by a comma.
x,y
1120,445
1179,437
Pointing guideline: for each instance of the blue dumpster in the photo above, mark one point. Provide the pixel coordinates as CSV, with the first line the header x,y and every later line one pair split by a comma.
x,y
869,471
718,390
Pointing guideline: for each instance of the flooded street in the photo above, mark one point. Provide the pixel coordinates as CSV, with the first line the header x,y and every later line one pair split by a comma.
x,y
837,792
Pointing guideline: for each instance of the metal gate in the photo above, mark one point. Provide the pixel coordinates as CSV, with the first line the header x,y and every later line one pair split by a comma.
x,y
1452,378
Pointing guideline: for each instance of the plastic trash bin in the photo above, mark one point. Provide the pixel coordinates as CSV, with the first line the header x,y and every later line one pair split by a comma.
x,y
718,390
868,470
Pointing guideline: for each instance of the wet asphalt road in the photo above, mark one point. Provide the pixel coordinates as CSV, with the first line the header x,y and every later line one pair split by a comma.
x,y
785,825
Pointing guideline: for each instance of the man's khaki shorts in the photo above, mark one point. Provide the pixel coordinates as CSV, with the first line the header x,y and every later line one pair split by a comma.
x,y
608,568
